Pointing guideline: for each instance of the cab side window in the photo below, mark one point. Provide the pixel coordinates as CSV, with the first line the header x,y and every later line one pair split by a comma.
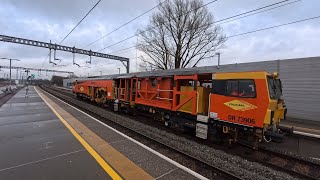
x,y
219,87
236,88
247,88
232,88
154,82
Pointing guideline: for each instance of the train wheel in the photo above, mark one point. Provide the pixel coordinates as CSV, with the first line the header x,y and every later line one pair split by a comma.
x,y
182,128
214,135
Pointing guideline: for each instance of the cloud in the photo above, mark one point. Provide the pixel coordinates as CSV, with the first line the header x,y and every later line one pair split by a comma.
x,y
52,20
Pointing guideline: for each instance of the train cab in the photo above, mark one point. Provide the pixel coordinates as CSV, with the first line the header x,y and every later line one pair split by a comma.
x,y
246,104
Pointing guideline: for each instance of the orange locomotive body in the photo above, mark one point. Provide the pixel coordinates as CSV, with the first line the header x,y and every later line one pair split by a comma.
x,y
242,100
95,90
218,106
175,93
155,92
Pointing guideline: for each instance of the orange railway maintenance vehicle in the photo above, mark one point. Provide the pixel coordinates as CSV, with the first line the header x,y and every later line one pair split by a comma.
x,y
232,106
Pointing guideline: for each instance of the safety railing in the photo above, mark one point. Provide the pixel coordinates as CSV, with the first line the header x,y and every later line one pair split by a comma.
x,y
162,98
115,93
144,94
190,96
122,91
155,94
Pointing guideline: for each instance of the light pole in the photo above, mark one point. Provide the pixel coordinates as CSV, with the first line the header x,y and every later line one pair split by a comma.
x,y
218,60
27,77
10,64
27,71
22,76
20,79
17,75
119,70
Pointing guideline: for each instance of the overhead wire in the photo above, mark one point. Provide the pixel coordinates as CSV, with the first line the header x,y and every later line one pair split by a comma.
x,y
261,11
267,28
231,19
44,61
210,2
73,29
221,21
157,26
270,27
125,24
80,21
130,21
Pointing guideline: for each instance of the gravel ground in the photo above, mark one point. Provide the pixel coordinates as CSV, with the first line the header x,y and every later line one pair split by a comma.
x,y
231,163
295,155
235,164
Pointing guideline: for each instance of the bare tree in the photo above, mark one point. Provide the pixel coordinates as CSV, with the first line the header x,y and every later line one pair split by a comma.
x,y
180,35
58,80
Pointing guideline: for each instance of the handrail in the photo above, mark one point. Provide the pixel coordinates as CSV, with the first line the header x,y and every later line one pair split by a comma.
x,y
147,91
184,92
209,105
197,102
157,92
164,90
122,91
165,98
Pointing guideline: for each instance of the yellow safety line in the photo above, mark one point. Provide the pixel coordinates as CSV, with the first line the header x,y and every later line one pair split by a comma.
x,y
93,153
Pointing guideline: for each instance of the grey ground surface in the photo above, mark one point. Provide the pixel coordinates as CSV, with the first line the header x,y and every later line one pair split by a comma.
x,y
34,144
151,163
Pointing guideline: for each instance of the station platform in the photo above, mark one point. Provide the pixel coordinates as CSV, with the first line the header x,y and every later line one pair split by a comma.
x,y
42,137
303,127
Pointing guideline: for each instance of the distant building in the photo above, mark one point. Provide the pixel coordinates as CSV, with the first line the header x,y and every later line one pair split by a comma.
x,y
67,82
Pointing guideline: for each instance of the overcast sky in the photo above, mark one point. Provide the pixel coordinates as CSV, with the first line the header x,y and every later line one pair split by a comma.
x,y
45,20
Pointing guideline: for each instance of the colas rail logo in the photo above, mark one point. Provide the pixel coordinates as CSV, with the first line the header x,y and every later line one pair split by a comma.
x,y
240,105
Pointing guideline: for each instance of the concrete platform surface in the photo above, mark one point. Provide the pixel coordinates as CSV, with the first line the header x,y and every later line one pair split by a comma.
x,y
34,144
42,137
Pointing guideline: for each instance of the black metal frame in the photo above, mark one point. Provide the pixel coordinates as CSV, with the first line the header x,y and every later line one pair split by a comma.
x,y
64,48
35,69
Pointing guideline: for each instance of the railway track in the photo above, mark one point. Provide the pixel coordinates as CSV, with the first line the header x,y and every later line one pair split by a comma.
x,y
210,171
296,166
303,168
291,164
